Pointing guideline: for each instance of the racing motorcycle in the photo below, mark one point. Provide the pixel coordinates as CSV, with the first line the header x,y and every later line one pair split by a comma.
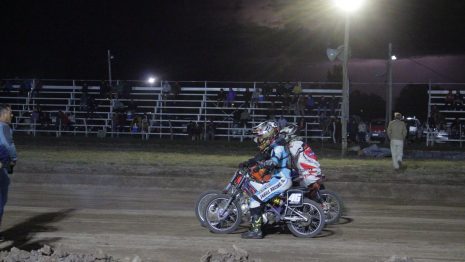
x,y
330,201
224,212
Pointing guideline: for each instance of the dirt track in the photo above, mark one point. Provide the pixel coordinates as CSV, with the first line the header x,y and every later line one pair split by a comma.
x,y
158,223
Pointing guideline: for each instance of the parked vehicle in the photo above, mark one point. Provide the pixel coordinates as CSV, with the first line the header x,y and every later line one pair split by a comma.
x,y
414,128
377,130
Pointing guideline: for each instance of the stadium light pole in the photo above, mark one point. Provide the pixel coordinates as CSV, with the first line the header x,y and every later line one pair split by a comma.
x,y
109,58
390,59
348,7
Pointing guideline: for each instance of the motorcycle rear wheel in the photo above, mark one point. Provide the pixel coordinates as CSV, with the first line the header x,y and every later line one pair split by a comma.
x,y
332,206
222,219
315,220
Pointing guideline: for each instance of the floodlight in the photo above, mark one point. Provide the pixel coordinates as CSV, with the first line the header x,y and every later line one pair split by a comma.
x,y
393,58
335,53
151,80
349,6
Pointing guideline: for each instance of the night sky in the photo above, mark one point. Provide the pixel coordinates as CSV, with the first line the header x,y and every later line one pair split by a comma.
x,y
213,39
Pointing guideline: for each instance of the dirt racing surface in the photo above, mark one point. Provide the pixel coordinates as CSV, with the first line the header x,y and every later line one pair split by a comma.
x,y
150,216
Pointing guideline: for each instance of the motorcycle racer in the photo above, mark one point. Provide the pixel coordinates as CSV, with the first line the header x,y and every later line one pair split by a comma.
x,y
266,137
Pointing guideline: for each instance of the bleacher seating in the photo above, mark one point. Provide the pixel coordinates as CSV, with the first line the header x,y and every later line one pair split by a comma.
x,y
442,116
166,115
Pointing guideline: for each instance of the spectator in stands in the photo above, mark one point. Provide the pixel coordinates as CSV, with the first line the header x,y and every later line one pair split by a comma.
x,y
237,116
245,118
282,122
83,102
266,91
131,109
62,121
333,104
45,120
310,103
338,131
85,88
166,90
286,102
272,110
7,86
322,105
362,132
176,90
220,98
36,88
91,106
297,90
456,128
105,90
300,105
198,130
247,97
302,126
35,118
24,87
256,97
117,122
458,100
211,130
117,105
449,100
190,128
230,98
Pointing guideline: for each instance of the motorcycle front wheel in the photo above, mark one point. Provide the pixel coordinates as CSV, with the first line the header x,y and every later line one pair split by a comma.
x,y
312,222
220,217
201,203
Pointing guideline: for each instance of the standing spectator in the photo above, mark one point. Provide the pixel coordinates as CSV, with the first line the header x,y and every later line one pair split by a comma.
x,y
166,90
333,105
282,122
211,130
231,96
220,98
322,105
449,100
256,97
8,156
362,132
247,97
297,90
397,132
245,118
458,101
300,105
198,131
266,91
286,102
91,106
353,128
191,130
176,90
310,103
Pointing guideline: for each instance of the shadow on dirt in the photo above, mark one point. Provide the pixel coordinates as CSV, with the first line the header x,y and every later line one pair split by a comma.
x,y
22,234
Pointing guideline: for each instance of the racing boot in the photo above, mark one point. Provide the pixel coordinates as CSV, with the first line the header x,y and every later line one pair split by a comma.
x,y
255,230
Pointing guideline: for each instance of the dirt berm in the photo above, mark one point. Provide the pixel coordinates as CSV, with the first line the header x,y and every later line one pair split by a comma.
x,y
349,182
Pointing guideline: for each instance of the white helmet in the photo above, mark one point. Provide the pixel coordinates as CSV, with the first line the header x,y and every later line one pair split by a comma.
x,y
265,133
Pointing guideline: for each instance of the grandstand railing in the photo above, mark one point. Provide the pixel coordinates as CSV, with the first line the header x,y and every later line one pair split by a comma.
x,y
442,115
164,114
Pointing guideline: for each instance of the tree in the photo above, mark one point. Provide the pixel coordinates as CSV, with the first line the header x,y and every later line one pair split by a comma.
x,y
367,106
413,101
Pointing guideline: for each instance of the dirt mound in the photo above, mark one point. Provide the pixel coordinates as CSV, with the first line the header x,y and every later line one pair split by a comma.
x,y
235,254
47,253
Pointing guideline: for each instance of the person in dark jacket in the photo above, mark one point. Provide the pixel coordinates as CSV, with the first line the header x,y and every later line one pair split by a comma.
x,y
8,156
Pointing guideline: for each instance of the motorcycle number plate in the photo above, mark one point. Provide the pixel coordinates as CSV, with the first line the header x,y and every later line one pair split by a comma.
x,y
295,198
